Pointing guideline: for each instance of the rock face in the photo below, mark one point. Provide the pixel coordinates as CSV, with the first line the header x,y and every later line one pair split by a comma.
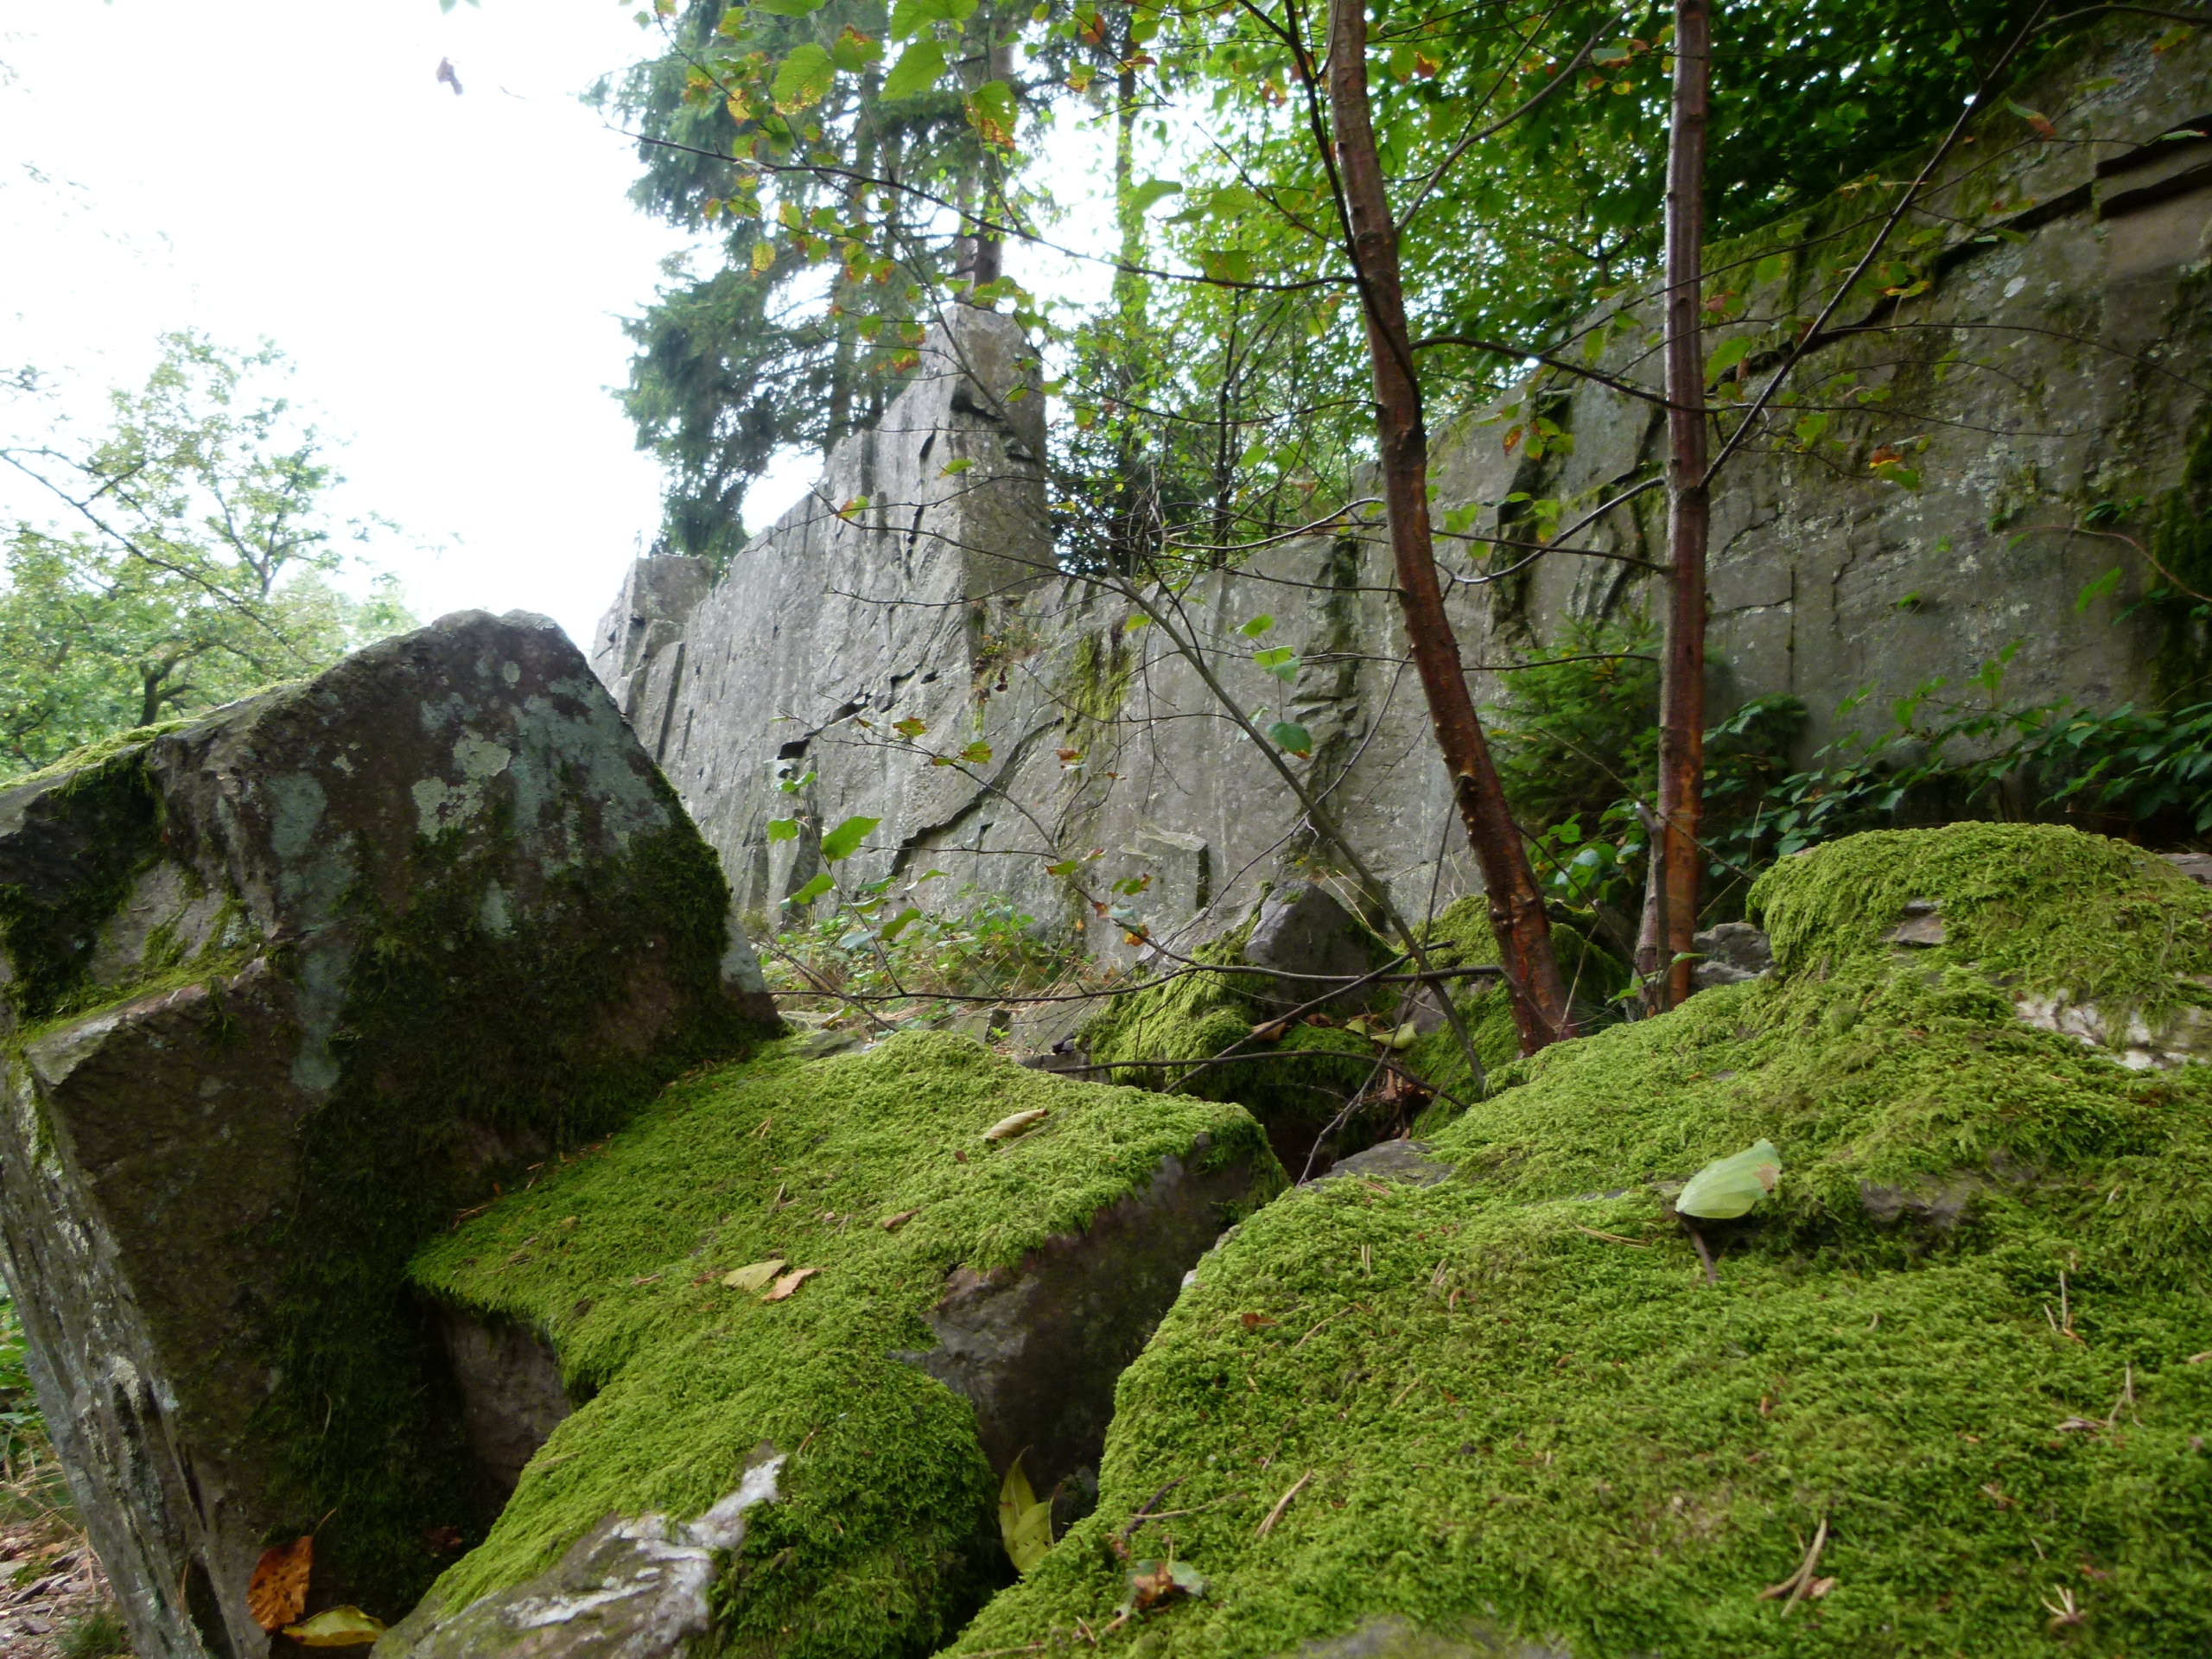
x,y
1307,939
285,986
1506,1413
2056,364
809,1293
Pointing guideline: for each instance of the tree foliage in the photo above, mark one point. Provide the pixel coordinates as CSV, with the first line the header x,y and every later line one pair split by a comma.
x,y
188,557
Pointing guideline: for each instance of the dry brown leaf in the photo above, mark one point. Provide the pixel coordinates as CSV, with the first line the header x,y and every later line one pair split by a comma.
x,y
893,1223
753,1277
789,1282
278,1592
1269,1031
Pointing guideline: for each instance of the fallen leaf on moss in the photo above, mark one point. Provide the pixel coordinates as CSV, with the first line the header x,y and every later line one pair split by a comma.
x,y
337,1627
1152,1583
753,1277
278,1592
1020,1123
791,1281
893,1223
1253,1321
1728,1187
1025,1520
1269,1031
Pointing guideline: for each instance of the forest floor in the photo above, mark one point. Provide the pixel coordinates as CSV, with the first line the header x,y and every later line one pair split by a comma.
x,y
55,1602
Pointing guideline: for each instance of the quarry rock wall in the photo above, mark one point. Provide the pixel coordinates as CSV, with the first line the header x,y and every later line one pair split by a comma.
x,y
1997,445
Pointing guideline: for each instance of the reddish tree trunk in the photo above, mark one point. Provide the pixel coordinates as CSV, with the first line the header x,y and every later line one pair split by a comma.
x,y
1670,916
1517,907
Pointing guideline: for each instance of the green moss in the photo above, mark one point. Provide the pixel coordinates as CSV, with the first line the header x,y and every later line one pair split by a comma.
x,y
882,1539
1521,1403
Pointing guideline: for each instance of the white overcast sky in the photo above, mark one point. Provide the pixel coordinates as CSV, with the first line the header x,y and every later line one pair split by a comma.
x,y
448,274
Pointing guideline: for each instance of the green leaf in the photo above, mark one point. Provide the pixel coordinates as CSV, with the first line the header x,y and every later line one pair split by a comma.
x,y
954,468
1810,427
910,728
812,890
1025,1520
899,923
854,51
1290,735
787,8
1728,1187
976,754
920,66
783,830
845,840
1730,354
991,112
804,79
1280,661
1151,191
1258,625
1772,268
1225,264
910,17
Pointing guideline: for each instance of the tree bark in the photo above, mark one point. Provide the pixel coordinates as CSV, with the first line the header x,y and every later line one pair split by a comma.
x,y
1671,913
1541,1010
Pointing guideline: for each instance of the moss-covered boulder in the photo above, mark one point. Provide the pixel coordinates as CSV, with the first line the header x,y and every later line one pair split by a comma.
x,y
808,1313
1948,1391
286,986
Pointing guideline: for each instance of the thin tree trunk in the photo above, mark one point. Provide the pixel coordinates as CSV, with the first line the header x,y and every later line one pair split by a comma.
x,y
1541,1010
1677,860
1128,287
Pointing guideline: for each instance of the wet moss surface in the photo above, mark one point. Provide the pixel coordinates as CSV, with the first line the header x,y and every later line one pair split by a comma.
x,y
1517,1406
884,1537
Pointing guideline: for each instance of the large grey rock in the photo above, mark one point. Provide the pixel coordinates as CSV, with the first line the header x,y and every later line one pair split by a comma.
x,y
1312,946
941,603
286,987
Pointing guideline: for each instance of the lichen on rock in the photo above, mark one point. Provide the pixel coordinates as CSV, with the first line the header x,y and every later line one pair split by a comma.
x,y
1963,1345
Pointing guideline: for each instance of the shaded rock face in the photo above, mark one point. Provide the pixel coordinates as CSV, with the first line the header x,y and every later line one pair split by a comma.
x,y
286,986
1037,1347
1308,939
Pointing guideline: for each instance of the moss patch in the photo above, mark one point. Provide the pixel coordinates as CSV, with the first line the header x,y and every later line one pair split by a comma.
x,y
1522,1406
885,1535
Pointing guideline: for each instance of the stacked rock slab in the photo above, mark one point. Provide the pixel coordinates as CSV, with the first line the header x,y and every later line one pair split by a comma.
x,y
800,1319
285,987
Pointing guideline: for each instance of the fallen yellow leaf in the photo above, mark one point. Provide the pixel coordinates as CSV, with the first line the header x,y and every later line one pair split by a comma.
x,y
1020,1123
337,1627
753,1277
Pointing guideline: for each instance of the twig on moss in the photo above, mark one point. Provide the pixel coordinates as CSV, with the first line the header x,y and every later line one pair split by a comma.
x,y
1267,1525
1712,1276
1797,1586
1615,1238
